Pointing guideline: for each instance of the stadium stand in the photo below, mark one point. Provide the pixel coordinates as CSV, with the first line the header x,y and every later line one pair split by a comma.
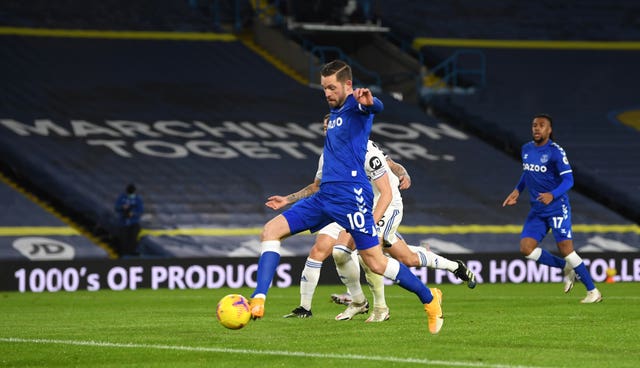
x,y
572,71
207,137
514,20
142,15
208,130
28,231
587,92
587,86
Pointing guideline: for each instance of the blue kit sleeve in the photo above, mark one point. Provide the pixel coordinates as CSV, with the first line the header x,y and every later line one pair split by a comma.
x,y
565,185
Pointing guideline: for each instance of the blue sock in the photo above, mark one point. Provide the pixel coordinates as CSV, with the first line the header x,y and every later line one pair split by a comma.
x,y
407,280
583,275
267,265
549,259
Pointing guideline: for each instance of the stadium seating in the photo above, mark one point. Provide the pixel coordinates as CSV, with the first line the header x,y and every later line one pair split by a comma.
x,y
207,130
589,90
586,92
161,114
141,15
512,19
28,231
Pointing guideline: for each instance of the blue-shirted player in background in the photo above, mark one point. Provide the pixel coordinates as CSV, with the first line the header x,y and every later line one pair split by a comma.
x,y
345,196
547,174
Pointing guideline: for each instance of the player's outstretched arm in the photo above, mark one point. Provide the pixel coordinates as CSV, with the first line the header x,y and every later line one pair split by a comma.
x,y
277,202
511,199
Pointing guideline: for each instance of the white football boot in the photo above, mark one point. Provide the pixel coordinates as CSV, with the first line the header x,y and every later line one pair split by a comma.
x,y
593,296
379,314
352,310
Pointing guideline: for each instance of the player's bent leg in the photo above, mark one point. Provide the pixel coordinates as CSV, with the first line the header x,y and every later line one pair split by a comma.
x,y
309,281
582,274
434,311
349,272
463,273
267,264
311,273
401,274
529,248
436,261
276,229
400,251
423,255
374,259
376,284
273,231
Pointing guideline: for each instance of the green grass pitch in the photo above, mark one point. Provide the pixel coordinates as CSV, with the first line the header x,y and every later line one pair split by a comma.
x,y
494,325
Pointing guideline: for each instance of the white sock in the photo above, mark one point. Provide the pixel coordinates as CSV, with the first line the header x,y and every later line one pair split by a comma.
x,y
376,284
535,255
349,272
309,282
432,260
392,269
573,259
270,246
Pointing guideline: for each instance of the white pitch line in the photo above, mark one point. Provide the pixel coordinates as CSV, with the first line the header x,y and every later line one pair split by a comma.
x,y
258,352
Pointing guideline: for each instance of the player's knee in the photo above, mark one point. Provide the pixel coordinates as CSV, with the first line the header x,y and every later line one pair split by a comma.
x,y
527,245
565,247
267,233
275,229
341,254
525,250
320,253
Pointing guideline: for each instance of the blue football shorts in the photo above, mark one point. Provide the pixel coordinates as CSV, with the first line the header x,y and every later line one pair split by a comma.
x,y
556,218
345,203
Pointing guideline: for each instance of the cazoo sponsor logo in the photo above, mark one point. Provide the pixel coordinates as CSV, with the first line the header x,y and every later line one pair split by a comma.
x,y
534,168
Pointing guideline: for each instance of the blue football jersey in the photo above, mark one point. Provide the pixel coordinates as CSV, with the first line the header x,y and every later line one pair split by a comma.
x,y
543,168
345,145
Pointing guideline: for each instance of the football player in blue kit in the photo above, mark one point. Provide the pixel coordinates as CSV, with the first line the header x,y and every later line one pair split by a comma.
x,y
547,174
345,196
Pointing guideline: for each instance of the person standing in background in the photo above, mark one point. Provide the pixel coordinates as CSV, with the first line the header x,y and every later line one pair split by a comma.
x,y
129,207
